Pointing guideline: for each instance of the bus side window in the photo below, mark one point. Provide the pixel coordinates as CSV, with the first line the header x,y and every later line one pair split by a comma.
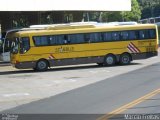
x,y
76,38
115,36
95,37
137,36
124,35
152,34
56,40
143,34
59,39
107,36
41,40
52,40
87,38
132,35
80,38
65,39
102,37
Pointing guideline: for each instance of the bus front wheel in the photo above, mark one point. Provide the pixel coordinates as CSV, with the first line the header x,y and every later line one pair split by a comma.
x,y
42,65
125,59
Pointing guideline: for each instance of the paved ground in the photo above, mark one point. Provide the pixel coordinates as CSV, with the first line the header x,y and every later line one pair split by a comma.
x,y
100,97
19,87
103,97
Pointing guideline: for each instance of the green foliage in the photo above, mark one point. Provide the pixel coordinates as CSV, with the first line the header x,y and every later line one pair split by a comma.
x,y
111,16
148,3
133,15
150,8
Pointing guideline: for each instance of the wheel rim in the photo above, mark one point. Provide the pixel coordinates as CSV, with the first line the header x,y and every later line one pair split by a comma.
x,y
42,65
109,60
125,59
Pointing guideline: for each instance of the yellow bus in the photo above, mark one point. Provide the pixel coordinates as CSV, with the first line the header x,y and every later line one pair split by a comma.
x,y
158,25
71,44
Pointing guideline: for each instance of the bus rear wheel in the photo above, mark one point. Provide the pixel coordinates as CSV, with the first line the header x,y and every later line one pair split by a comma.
x,y
125,59
110,60
42,65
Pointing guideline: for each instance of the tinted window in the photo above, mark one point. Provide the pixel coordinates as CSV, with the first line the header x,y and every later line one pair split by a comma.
x,y
133,35
143,34
41,41
59,39
107,36
115,36
95,37
124,35
52,40
56,40
87,38
76,38
24,45
152,34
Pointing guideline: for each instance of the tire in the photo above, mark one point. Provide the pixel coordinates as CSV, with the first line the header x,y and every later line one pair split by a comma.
x,y
110,60
125,59
42,65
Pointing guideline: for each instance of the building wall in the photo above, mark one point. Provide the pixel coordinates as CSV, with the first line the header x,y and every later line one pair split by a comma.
x,y
11,20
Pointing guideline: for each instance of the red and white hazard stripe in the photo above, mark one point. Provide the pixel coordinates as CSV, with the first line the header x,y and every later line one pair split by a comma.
x,y
51,56
132,48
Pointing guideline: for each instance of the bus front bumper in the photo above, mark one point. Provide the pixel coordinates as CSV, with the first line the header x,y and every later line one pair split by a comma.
x,y
24,65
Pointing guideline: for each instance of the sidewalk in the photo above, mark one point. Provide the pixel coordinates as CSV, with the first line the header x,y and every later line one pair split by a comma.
x,y
4,63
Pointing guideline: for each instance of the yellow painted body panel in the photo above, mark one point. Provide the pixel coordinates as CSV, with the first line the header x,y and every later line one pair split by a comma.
x,y
84,50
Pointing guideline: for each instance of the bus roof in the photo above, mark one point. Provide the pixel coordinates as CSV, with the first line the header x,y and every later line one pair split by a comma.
x,y
71,29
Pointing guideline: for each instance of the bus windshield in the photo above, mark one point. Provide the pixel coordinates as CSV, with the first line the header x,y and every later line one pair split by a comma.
x,y
24,45
14,46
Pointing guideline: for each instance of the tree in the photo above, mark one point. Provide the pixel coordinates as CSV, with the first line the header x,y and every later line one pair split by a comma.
x,y
133,15
148,3
150,8
111,16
